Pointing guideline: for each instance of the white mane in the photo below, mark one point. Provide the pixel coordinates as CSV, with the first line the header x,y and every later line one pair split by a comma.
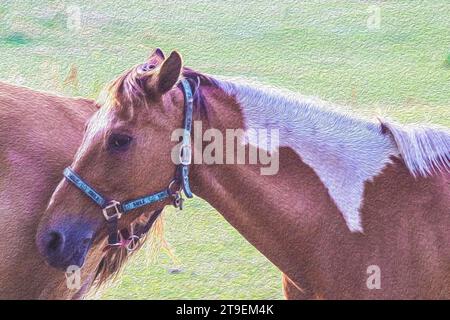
x,y
425,149
344,151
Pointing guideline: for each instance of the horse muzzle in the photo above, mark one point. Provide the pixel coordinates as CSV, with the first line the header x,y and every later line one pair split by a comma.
x,y
65,244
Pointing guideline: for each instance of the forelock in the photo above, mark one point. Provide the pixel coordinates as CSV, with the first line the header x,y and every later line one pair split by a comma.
x,y
126,90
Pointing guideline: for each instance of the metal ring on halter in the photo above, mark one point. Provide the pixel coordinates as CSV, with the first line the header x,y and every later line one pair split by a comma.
x,y
176,195
132,243
170,187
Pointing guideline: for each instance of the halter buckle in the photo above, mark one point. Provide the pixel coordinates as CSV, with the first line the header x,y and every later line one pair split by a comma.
x,y
185,154
116,210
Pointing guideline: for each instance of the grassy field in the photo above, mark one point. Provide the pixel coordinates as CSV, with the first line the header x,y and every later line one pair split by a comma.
x,y
321,48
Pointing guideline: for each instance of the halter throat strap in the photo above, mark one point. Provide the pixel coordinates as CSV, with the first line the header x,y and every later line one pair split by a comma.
x,y
113,209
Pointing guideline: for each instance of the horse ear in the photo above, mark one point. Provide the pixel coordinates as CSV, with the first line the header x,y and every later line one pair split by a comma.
x,y
156,56
169,72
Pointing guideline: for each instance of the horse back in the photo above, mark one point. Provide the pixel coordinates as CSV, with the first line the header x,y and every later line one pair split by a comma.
x,y
28,118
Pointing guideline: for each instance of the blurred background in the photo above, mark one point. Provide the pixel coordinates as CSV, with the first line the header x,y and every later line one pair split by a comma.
x,y
375,57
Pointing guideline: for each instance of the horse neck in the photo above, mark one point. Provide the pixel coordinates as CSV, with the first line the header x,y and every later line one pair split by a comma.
x,y
34,154
280,214
342,151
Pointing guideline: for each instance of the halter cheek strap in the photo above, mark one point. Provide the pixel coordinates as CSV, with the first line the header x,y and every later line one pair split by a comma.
x,y
186,154
113,210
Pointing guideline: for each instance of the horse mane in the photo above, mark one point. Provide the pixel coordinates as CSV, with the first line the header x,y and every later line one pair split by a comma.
x,y
201,78
129,88
424,149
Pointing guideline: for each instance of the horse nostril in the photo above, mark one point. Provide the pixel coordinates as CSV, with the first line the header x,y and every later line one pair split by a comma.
x,y
66,243
55,241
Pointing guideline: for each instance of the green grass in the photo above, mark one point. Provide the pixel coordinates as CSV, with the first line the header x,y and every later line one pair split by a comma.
x,y
320,48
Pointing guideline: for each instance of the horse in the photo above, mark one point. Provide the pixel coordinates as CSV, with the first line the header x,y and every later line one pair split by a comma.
x,y
31,162
40,133
355,209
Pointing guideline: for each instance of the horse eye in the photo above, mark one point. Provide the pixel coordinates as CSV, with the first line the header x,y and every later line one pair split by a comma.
x,y
119,142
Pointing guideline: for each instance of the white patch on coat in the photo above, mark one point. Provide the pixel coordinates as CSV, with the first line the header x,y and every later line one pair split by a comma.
x,y
96,128
345,152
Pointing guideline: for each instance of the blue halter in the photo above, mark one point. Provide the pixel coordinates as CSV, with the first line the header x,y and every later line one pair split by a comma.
x,y
113,210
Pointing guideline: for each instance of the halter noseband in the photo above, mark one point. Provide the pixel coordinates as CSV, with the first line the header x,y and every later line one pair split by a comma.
x,y
113,209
